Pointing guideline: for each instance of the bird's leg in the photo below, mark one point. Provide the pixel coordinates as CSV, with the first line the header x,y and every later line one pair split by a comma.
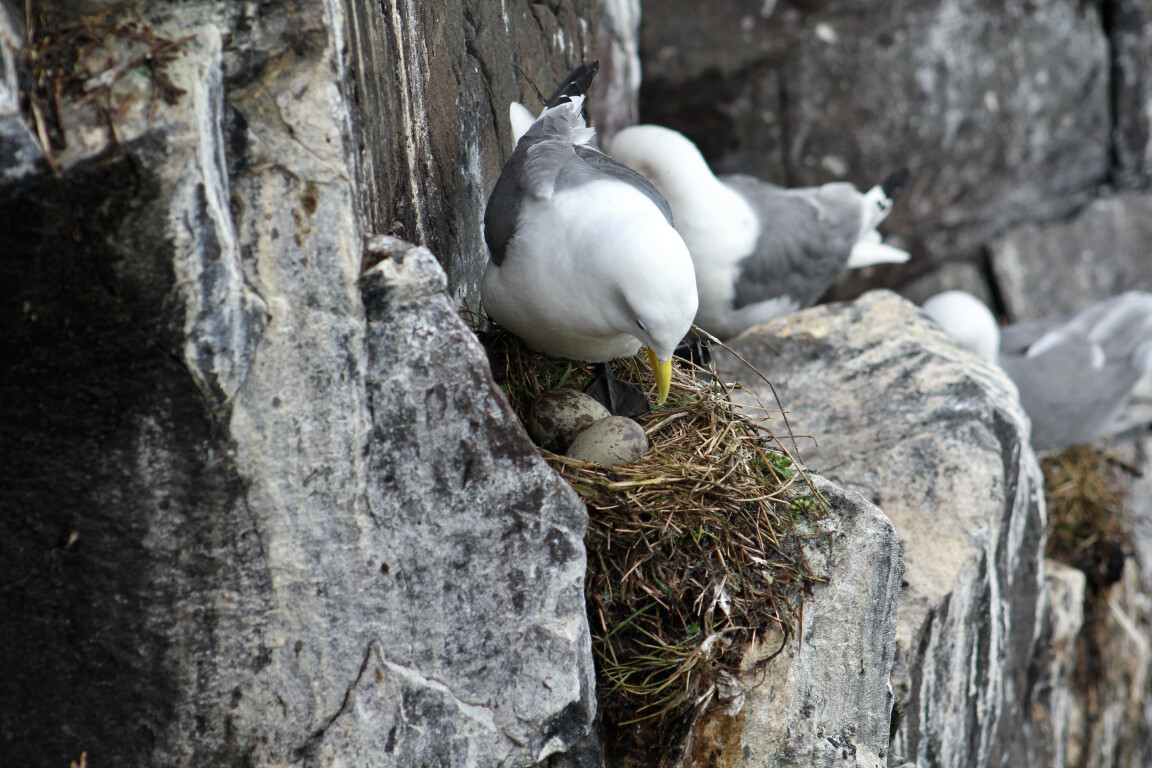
x,y
696,351
619,397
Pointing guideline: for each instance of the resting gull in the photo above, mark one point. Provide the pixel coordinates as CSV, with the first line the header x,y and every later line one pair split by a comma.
x,y
760,251
1075,374
585,263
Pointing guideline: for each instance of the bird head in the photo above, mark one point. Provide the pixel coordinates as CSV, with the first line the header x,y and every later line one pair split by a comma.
x,y
659,305
965,318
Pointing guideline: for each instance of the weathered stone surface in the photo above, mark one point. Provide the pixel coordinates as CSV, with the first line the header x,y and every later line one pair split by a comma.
x,y
1046,270
431,83
1109,726
825,700
261,510
19,147
1054,704
483,557
1001,111
937,440
1111,716
617,90
952,276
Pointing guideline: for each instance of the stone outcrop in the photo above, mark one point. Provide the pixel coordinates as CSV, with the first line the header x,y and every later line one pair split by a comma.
x,y
266,506
1055,716
1110,719
937,439
430,87
825,700
262,508
1057,268
1130,35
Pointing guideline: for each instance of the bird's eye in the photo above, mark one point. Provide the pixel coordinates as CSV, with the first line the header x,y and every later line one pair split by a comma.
x,y
640,323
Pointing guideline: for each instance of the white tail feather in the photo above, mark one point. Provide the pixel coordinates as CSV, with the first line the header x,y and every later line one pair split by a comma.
x,y
869,250
521,118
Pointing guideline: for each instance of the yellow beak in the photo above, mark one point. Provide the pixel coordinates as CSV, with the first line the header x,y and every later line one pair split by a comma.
x,y
663,373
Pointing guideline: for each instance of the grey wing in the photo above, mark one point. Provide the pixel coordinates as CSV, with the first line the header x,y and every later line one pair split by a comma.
x,y
1016,338
603,166
1122,327
803,244
504,204
1117,330
1076,375
535,170
1068,395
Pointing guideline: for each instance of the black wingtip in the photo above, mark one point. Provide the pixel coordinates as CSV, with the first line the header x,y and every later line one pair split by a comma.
x,y
894,185
577,83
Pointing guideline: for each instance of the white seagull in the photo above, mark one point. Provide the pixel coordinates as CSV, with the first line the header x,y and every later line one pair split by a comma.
x,y
585,263
1075,374
760,251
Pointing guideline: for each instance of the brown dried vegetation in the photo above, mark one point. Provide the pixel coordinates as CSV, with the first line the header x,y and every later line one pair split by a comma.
x,y
694,551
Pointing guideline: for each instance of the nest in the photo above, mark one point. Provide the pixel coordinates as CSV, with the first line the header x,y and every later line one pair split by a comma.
x,y
1086,524
694,551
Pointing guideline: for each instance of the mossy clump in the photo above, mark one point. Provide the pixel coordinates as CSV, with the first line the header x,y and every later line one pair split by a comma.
x,y
1086,525
694,551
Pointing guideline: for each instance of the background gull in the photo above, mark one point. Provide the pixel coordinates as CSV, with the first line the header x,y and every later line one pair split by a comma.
x,y
585,263
1075,374
760,250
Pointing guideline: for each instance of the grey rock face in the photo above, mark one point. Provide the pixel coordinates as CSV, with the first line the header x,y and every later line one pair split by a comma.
x,y
937,440
825,700
618,83
261,509
952,276
1046,270
482,546
18,144
432,85
1056,717
1002,112
1110,722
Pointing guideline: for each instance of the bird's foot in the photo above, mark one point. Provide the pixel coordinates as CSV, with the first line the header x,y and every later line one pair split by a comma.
x,y
619,397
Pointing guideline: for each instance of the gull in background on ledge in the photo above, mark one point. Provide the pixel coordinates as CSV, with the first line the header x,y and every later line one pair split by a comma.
x,y
1075,374
760,251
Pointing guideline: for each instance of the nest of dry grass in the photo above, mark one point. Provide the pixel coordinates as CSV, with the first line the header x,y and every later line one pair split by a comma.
x,y
694,551
1086,524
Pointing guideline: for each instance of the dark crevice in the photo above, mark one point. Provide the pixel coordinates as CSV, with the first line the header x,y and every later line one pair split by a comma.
x,y
1124,23
995,293
1115,76
785,129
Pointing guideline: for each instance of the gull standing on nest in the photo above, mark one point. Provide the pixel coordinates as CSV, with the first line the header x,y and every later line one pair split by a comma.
x,y
760,251
1075,375
585,263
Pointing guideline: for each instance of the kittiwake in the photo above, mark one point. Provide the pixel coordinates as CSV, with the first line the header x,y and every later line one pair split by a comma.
x,y
760,250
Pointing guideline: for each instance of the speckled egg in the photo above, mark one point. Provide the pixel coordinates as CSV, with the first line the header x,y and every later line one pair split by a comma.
x,y
614,440
558,415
